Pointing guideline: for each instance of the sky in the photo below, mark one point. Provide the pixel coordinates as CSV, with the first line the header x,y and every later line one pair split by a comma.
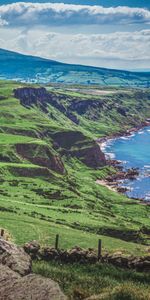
x,y
106,3
104,33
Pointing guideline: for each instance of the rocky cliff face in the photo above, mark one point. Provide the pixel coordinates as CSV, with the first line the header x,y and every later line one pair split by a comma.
x,y
92,156
41,155
82,107
75,144
41,97
29,96
70,142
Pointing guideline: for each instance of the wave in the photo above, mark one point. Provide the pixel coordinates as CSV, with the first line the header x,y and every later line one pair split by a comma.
x,y
110,155
132,152
147,198
125,138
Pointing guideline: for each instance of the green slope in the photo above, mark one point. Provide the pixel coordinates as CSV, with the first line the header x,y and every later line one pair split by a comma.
x,y
49,163
27,68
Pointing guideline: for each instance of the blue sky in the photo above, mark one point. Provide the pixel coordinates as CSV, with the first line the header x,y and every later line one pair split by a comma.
x,y
102,34
106,3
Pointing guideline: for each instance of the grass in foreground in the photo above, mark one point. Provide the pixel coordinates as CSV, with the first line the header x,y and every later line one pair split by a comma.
x,y
23,228
81,281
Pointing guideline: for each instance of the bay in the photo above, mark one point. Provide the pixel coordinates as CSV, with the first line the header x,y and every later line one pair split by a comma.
x,y
134,152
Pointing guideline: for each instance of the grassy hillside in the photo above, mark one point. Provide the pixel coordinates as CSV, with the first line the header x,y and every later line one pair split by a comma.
x,y
108,283
49,163
35,69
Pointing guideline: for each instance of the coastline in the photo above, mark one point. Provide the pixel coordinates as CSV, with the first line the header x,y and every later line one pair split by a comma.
x,y
112,182
125,133
105,183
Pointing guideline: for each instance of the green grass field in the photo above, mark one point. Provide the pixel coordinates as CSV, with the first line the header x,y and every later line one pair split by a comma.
x,y
110,283
47,187
37,200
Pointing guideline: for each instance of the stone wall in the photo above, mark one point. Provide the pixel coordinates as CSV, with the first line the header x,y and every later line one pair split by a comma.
x,y
80,255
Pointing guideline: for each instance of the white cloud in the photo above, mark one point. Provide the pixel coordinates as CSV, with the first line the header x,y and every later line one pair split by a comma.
x,y
47,30
119,49
3,22
58,14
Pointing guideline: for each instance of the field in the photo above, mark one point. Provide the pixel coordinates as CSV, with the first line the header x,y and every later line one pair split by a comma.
x,y
83,281
34,69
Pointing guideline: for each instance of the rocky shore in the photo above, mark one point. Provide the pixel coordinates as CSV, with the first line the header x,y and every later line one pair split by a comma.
x,y
123,133
114,181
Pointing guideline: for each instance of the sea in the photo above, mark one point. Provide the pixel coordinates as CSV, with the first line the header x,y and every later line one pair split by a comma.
x,y
133,152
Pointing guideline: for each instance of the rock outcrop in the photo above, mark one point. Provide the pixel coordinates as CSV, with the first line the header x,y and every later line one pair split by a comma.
x,y
15,258
92,156
15,287
16,280
75,144
72,143
30,96
41,155
82,107
32,248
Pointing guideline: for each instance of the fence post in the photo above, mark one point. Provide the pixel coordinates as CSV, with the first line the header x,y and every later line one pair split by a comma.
x,y
56,241
2,232
99,249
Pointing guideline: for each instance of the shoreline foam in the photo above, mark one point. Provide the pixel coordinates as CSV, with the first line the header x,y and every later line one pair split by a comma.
x,y
110,158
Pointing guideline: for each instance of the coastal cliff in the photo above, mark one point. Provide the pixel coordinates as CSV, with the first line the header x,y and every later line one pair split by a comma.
x,y
50,161
68,142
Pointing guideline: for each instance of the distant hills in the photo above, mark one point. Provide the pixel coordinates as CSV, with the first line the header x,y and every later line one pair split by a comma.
x,y
25,68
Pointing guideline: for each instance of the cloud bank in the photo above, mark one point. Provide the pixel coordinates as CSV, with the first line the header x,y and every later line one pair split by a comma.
x,y
112,48
78,33
58,14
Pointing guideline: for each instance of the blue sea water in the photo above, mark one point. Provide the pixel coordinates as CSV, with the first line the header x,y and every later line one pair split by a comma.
x,y
134,152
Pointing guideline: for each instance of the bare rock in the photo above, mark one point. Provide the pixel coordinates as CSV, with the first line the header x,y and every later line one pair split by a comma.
x,y
7,277
91,155
14,257
140,264
13,286
32,248
16,280
43,156
78,254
